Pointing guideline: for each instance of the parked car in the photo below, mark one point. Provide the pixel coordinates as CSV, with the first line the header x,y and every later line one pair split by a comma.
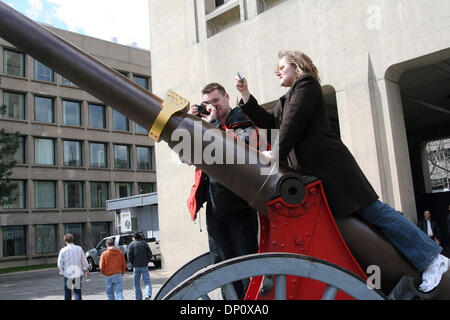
x,y
122,242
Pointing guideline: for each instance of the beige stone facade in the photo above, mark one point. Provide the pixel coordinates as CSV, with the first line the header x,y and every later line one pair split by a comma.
x,y
27,230
371,54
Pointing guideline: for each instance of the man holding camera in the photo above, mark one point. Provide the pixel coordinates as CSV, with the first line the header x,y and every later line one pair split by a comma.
x,y
231,222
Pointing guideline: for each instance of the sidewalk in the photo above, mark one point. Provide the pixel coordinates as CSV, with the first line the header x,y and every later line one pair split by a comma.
x,y
98,293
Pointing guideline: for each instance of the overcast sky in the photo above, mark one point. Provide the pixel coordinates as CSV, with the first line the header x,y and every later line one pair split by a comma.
x,y
122,21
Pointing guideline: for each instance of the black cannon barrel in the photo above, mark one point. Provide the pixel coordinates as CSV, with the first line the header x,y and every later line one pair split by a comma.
x,y
138,104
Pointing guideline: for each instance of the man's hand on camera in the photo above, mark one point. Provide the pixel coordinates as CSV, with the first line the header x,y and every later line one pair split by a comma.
x,y
194,110
208,117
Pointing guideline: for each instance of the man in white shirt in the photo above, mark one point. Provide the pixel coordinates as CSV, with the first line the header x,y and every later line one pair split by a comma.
x,y
72,264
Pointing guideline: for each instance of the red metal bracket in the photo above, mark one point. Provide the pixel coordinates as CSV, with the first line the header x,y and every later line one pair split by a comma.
x,y
309,229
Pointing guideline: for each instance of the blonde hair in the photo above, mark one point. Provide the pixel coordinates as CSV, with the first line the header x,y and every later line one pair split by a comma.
x,y
301,61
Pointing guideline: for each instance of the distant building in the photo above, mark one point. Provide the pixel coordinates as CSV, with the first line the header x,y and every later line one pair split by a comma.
x,y
75,152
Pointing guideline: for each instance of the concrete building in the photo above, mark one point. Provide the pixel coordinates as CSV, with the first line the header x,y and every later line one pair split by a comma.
x,y
136,213
384,67
75,152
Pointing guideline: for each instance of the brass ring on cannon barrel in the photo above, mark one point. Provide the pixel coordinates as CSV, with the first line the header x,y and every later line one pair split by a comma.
x,y
172,104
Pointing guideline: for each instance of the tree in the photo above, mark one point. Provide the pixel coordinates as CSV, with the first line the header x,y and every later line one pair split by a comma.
x,y
9,143
438,156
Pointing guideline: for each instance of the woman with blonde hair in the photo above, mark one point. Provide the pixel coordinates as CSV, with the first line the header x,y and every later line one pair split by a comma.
x,y
307,143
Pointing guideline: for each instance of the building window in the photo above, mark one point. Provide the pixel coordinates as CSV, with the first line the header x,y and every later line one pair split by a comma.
x,y
44,151
142,81
43,109
72,153
225,17
144,158
97,155
46,238
100,230
13,63
97,117
264,5
19,156
122,157
123,190
15,105
76,229
45,194
146,187
71,113
73,194
211,5
218,3
67,82
14,241
124,73
99,194
120,122
17,196
42,72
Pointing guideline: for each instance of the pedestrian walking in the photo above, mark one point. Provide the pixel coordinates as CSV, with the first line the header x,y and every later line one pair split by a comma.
x,y
72,264
139,255
113,266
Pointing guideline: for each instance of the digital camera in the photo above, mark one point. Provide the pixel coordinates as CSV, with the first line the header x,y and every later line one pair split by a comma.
x,y
202,108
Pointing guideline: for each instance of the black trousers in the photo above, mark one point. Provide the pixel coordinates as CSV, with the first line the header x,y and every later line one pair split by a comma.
x,y
233,234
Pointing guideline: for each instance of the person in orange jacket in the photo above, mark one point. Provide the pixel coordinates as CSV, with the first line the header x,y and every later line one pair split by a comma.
x,y
113,266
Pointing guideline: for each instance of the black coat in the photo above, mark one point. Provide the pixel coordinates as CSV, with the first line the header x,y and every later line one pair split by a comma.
x,y
302,118
139,254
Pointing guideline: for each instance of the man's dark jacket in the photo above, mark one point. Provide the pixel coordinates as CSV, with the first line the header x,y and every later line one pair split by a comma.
x,y
306,138
208,189
139,254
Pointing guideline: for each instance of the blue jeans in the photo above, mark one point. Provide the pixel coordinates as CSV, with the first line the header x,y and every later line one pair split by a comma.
x,y
114,285
72,283
137,273
412,242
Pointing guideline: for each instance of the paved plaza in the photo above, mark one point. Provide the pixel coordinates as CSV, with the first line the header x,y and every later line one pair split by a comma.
x,y
48,285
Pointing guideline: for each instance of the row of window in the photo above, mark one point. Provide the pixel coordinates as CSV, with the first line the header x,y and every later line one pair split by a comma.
x,y
262,5
14,65
220,17
44,112
45,193
46,241
44,154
